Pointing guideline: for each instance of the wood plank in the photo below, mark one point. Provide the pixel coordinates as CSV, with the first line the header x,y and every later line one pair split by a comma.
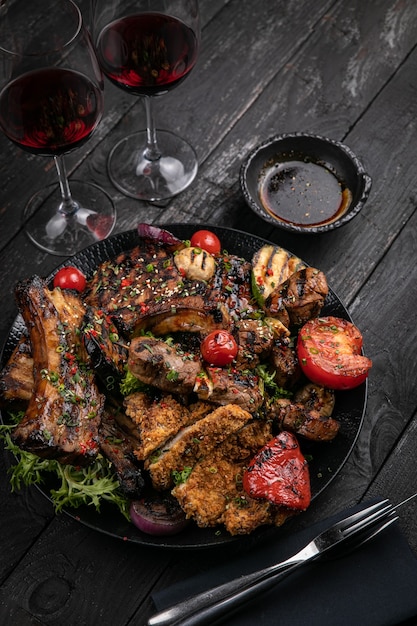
x,y
290,103
221,55
28,513
59,589
392,401
64,577
401,464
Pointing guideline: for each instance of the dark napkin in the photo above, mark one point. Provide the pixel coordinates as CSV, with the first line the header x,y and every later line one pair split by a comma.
x,y
376,585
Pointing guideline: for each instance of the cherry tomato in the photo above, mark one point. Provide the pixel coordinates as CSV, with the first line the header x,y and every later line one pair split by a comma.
x,y
219,348
206,240
70,278
329,353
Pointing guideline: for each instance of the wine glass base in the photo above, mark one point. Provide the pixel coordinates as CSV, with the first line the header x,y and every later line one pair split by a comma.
x,y
64,235
140,178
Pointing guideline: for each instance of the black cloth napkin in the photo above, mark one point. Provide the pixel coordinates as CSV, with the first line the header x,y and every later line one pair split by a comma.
x,y
376,585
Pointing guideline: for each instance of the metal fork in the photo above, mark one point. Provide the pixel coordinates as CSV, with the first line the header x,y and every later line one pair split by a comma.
x,y
344,536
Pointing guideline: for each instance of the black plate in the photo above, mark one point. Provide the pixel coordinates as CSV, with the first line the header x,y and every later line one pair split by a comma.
x,y
327,459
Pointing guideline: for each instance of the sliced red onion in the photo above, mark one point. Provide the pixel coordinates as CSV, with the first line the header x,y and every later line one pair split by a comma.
x,y
159,235
158,517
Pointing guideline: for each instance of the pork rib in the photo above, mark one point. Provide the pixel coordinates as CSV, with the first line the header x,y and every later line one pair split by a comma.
x,y
16,378
64,412
118,447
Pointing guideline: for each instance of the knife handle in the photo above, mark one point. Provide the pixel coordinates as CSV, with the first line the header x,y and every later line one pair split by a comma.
x,y
205,607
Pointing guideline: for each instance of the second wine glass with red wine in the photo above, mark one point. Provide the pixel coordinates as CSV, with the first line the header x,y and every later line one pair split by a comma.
x,y
147,49
51,101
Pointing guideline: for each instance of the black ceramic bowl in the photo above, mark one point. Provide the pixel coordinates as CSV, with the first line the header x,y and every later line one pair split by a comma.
x,y
304,183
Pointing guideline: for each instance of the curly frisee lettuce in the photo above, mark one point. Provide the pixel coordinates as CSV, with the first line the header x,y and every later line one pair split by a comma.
x,y
78,486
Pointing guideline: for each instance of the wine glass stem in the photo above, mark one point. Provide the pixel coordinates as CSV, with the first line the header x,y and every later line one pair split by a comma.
x,y
68,206
152,152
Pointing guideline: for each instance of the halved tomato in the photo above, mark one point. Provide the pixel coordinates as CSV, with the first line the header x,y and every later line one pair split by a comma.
x,y
329,353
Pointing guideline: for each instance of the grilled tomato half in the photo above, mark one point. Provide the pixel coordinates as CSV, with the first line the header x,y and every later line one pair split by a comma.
x,y
329,353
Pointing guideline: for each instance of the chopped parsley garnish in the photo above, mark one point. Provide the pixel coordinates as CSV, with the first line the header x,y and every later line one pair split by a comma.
x,y
266,380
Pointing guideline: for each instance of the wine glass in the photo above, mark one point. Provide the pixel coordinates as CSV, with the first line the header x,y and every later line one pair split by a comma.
x,y
51,101
147,48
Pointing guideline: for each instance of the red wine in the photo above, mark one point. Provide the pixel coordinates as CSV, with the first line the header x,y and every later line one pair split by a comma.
x,y
147,54
50,111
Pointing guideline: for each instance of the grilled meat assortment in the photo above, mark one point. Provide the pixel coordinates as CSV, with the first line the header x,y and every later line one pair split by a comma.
x,y
147,311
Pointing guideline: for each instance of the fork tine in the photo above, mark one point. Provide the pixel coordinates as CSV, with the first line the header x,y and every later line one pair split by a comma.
x,y
335,541
380,528
369,520
354,542
362,514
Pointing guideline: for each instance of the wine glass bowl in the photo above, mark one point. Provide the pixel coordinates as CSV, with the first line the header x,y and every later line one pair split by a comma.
x,y
51,102
148,52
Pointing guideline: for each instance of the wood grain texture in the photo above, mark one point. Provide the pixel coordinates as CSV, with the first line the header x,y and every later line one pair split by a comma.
x,y
343,69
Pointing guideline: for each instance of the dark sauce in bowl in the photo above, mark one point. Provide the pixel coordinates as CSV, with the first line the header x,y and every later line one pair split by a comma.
x,y
302,192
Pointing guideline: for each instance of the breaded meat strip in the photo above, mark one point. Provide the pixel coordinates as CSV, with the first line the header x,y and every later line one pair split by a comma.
x,y
194,442
213,493
154,420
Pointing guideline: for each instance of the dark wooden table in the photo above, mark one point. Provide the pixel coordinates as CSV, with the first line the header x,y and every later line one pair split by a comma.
x,y
345,69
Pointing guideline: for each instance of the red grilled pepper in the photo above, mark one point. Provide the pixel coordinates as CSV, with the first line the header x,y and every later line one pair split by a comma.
x,y
279,473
